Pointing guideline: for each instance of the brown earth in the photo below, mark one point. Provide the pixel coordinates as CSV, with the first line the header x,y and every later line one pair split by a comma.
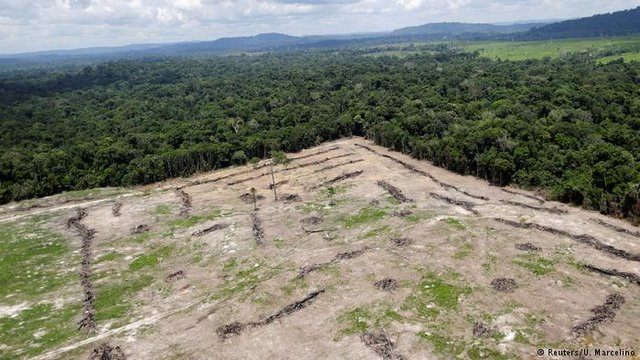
x,y
442,253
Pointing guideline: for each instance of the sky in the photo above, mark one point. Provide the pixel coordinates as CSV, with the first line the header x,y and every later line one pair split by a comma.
x,y
33,25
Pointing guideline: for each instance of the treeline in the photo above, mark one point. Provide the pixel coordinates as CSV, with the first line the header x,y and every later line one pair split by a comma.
x,y
619,23
569,126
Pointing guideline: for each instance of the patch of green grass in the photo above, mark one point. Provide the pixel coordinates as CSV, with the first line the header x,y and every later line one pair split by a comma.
x,y
195,219
418,216
459,348
536,264
242,279
521,338
511,305
443,344
310,207
37,329
114,300
292,285
522,50
92,193
626,57
322,207
478,351
197,251
433,294
497,336
162,209
110,256
360,319
151,259
365,215
354,321
464,250
332,191
392,200
230,265
455,223
533,319
31,261
377,231
572,261
141,238
489,263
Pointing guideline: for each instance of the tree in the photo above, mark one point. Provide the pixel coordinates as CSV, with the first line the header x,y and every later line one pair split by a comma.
x,y
238,157
277,158
254,162
255,201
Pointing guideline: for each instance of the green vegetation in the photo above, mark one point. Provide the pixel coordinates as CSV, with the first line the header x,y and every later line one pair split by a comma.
x,y
32,261
332,191
111,256
442,344
240,279
195,219
489,263
464,250
141,238
152,258
361,319
455,223
564,124
37,329
292,285
162,209
366,215
36,267
418,216
434,294
536,264
115,299
625,56
523,50
377,231
457,348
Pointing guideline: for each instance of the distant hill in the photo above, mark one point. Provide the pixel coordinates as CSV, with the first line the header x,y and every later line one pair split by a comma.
x,y
619,23
456,28
88,51
614,24
258,42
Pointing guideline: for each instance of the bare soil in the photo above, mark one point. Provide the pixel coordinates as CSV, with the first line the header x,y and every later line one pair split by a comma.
x,y
210,265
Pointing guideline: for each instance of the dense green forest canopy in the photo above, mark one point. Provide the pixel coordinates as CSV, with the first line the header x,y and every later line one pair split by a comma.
x,y
568,126
619,23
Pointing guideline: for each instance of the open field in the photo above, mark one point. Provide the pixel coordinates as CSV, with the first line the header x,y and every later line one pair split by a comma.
x,y
627,57
522,50
367,254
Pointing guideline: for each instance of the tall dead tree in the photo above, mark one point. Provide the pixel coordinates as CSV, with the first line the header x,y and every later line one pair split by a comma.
x,y
253,197
277,158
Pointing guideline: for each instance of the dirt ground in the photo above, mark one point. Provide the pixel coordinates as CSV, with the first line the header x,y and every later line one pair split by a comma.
x,y
212,280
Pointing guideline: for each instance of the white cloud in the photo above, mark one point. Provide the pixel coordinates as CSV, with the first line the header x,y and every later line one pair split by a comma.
x,y
45,24
410,4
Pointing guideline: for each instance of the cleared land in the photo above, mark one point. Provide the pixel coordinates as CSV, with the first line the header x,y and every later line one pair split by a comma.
x,y
522,50
403,260
603,50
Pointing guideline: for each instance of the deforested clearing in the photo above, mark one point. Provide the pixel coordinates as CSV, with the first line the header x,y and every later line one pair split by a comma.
x,y
342,265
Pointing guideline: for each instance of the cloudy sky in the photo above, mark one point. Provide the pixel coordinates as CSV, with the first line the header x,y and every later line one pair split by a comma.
x,y
29,25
